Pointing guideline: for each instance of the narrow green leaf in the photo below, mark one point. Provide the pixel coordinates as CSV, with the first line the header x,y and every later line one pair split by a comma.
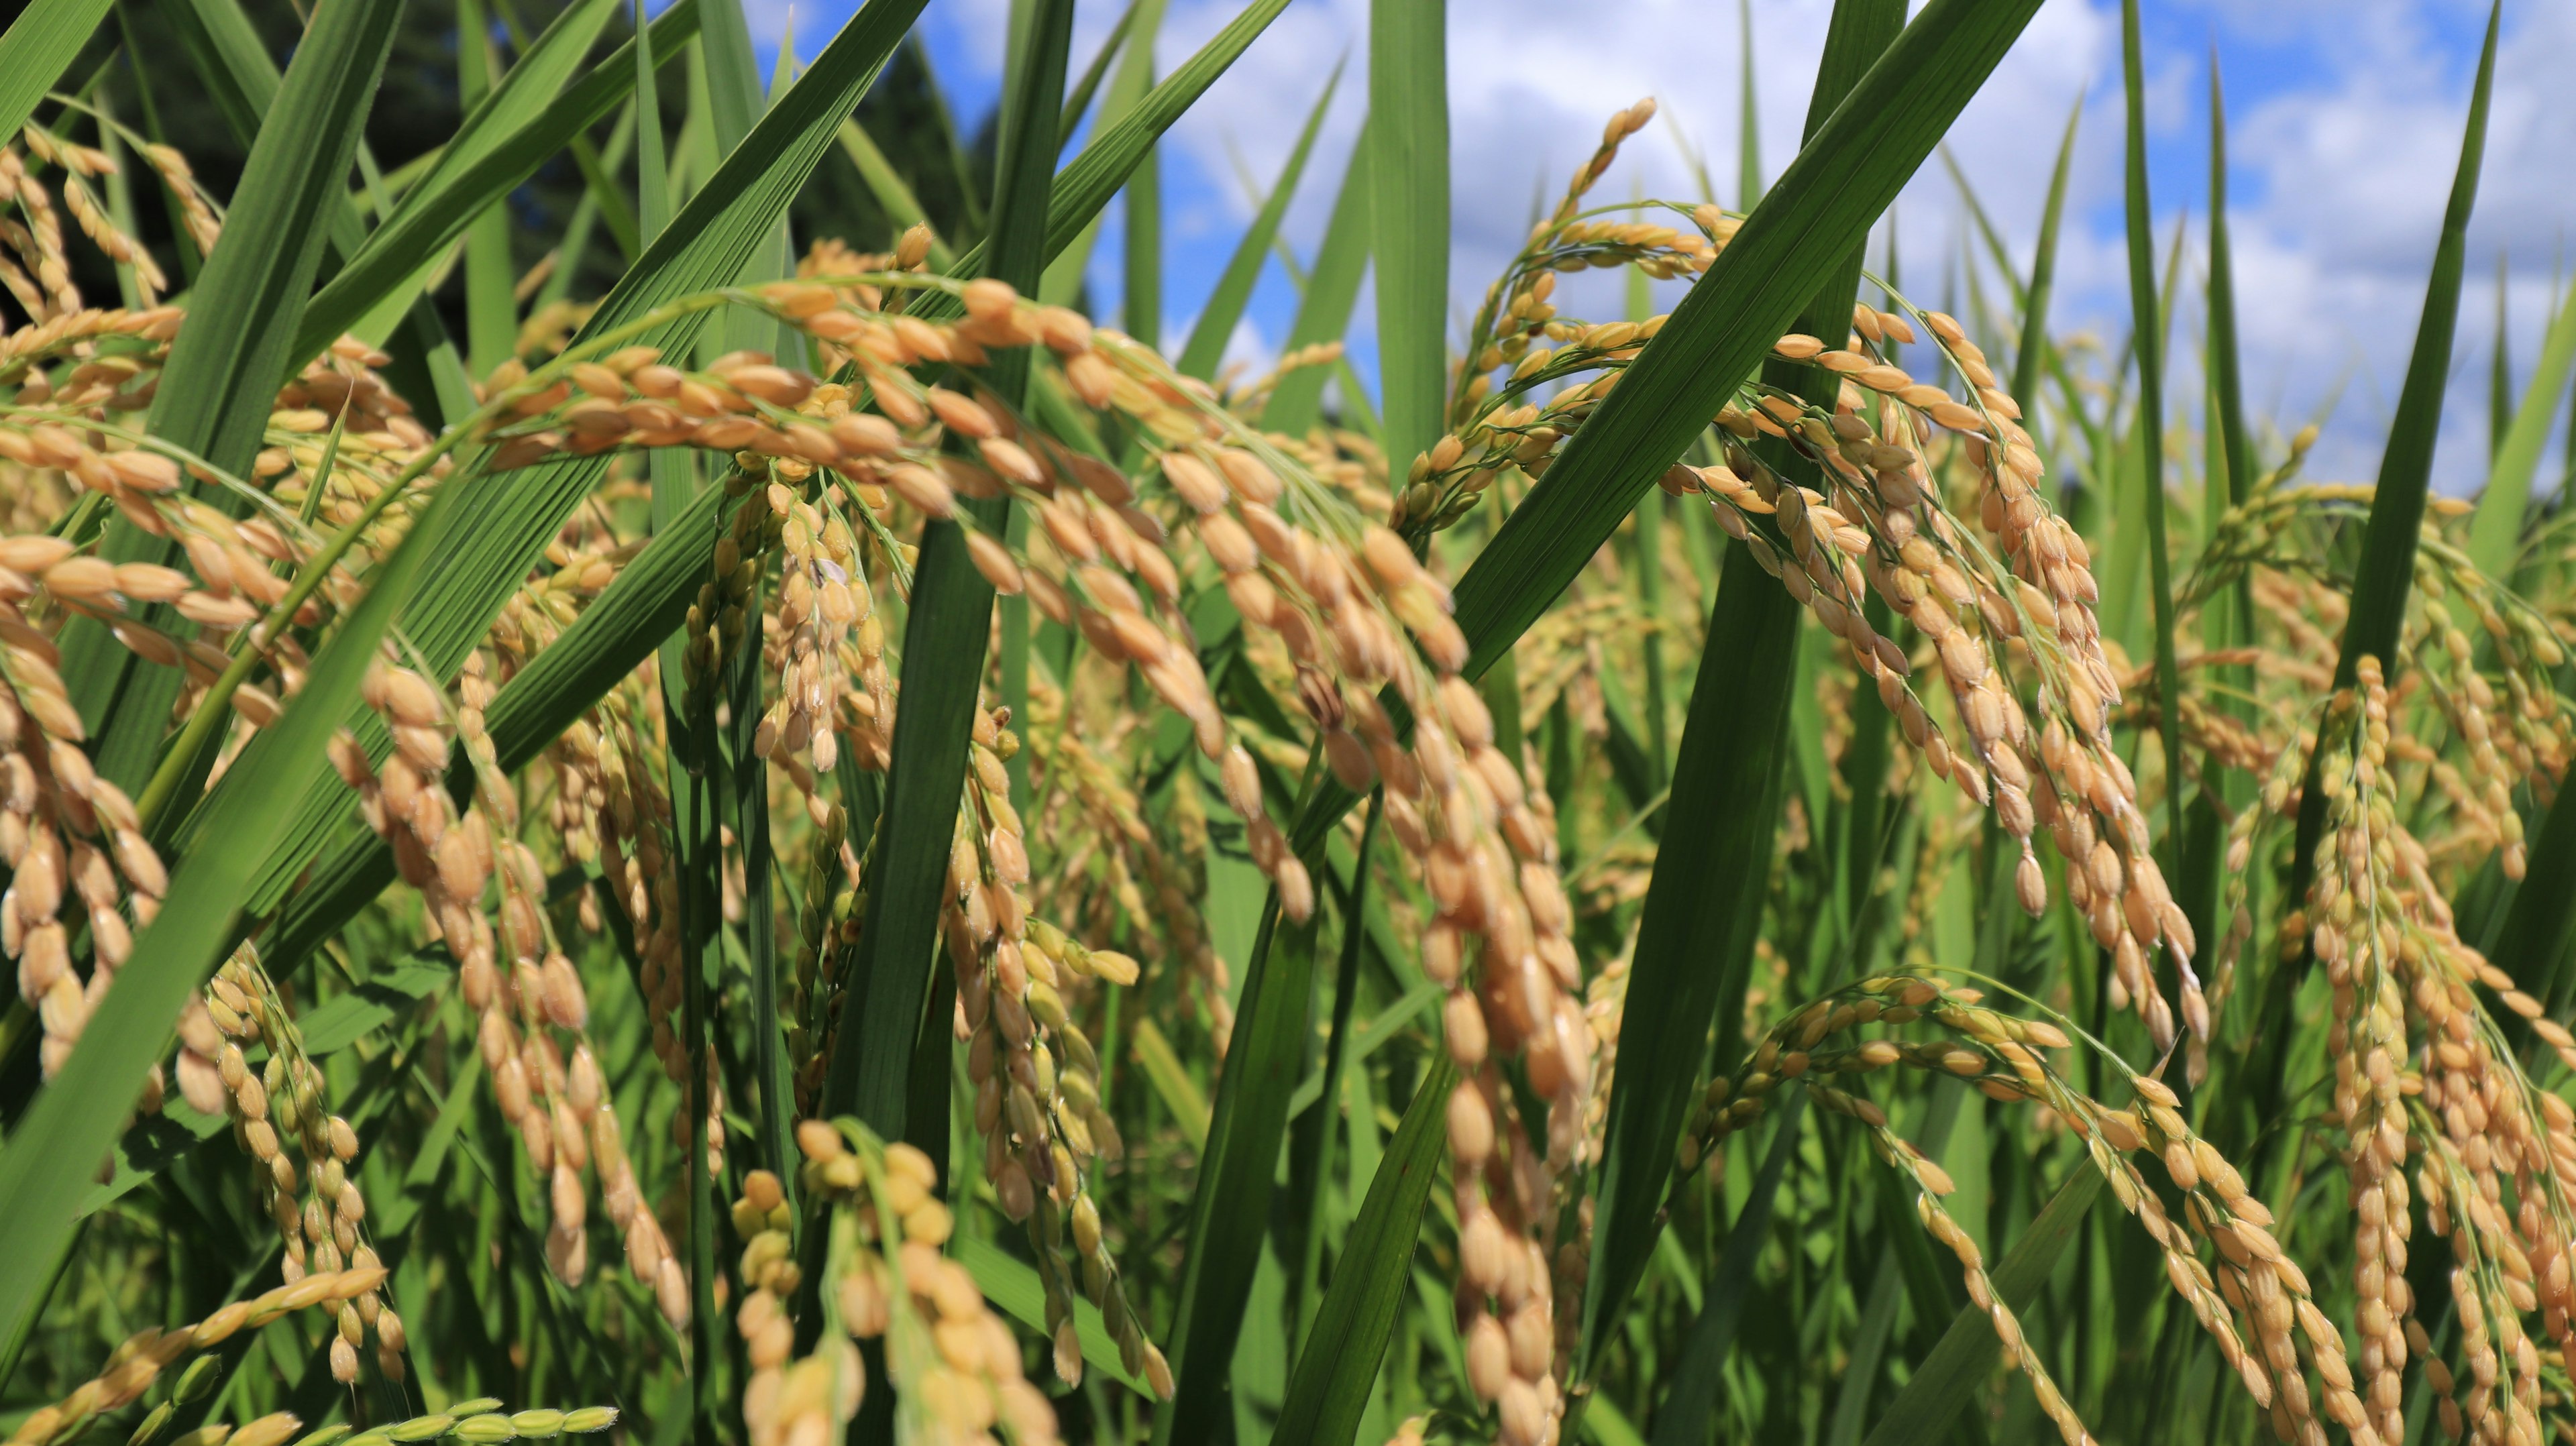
x,y
76,1118
2495,533
1077,102
215,394
1607,1425
1704,900
1312,1136
2149,330
1172,1083
945,634
1371,1278
532,116
1945,1381
1129,85
1748,134
1700,1366
2043,272
602,203
2533,943
386,995
2397,505
652,156
1332,289
1408,137
1229,1209
1225,307
491,312
1366,1040
2226,367
2406,467
1010,1283
2500,366
40,44
886,184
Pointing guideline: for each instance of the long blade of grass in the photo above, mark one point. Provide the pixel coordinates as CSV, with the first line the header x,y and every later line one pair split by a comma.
x,y
1703,902
1077,101
491,312
2533,943
1760,284
2406,466
1128,85
1172,1083
2495,533
2226,369
531,116
1947,1379
2397,507
1332,289
1748,132
2147,308
2500,365
1225,307
886,184
1229,1214
1312,1137
76,1118
944,641
1408,137
40,44
2043,268
1700,1367
1010,1283
1339,1366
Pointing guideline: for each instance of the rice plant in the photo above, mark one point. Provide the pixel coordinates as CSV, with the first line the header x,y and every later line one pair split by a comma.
x,y
650,788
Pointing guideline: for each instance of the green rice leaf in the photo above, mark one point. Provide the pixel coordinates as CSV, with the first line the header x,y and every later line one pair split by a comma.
x,y
1946,1380
214,395
2495,533
1215,326
1229,1208
2149,331
1339,1365
1408,137
2406,467
39,45
2043,272
945,634
2397,506
504,528
1332,289
1009,1283
647,600
1062,285
1683,1420
1085,185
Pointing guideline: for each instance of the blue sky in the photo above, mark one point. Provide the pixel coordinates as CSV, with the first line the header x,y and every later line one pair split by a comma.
x,y
2345,118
